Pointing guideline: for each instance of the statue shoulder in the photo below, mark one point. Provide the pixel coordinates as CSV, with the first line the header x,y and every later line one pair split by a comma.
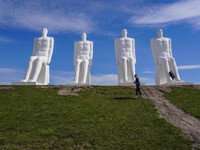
x,y
119,39
91,42
116,40
130,39
51,38
78,42
165,38
37,38
154,39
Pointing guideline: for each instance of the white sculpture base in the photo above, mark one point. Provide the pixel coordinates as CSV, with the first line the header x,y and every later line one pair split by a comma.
x,y
129,84
179,83
73,84
26,83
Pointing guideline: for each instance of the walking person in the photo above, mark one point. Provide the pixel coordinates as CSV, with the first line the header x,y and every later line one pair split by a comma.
x,y
137,83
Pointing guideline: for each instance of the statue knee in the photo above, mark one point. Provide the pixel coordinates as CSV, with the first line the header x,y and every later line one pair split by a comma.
x,y
39,59
122,60
163,60
31,59
85,62
172,59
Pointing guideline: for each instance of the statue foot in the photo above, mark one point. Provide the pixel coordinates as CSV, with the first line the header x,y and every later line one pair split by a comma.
x,y
82,82
75,82
23,80
171,81
31,81
126,81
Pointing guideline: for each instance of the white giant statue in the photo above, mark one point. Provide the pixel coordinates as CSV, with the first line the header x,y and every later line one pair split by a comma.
x,y
166,68
38,67
83,54
125,58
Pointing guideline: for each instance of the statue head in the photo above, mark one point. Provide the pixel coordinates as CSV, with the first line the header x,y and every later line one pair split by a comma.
x,y
160,33
44,32
83,36
124,33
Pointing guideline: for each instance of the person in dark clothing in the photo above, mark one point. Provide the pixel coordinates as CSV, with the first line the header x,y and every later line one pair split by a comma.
x,y
137,83
171,75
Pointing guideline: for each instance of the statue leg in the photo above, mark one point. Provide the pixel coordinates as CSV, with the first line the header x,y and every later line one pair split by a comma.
x,y
174,68
38,67
132,65
165,65
77,71
124,69
85,71
29,68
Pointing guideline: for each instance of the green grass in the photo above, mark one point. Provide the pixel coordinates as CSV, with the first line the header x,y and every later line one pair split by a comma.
x,y
187,99
100,118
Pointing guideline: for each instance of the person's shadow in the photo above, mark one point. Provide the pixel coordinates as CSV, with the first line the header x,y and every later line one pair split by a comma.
x,y
123,98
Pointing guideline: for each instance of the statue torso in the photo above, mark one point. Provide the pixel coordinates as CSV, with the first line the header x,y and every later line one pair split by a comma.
x,y
42,45
125,47
82,49
162,47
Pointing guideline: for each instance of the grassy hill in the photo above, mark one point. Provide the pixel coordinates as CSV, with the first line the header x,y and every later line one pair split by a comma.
x,y
100,117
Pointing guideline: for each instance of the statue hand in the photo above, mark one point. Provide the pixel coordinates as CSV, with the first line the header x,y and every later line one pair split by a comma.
x,y
118,61
156,61
74,63
90,62
48,62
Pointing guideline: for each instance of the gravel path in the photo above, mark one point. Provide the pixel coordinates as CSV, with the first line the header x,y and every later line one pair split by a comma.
x,y
190,125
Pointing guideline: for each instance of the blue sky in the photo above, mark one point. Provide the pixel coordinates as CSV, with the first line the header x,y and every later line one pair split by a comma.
x,y
22,21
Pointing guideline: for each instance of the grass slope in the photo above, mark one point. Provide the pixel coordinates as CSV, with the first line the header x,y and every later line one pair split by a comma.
x,y
99,118
187,99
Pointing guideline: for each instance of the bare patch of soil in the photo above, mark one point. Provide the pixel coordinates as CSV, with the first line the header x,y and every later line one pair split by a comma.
x,y
190,125
5,88
71,90
83,146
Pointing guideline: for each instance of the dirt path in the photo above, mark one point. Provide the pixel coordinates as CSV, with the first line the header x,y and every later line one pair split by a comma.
x,y
71,90
190,125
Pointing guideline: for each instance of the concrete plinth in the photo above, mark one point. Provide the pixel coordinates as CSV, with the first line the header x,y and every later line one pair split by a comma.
x,y
26,83
130,84
179,83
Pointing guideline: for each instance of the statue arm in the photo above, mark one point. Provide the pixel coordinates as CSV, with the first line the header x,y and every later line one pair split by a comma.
x,y
50,50
75,53
34,46
153,49
91,53
170,48
116,53
133,46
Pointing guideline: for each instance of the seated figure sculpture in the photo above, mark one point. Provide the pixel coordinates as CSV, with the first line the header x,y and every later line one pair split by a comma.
x,y
38,66
125,58
162,54
83,54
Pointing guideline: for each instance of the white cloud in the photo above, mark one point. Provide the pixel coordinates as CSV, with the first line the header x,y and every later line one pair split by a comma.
x,y
105,79
148,72
62,77
7,71
184,10
35,15
189,67
5,40
8,75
